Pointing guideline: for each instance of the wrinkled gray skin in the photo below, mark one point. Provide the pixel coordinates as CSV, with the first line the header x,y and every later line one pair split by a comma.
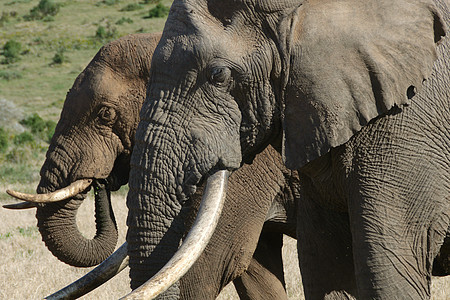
x,y
335,81
116,78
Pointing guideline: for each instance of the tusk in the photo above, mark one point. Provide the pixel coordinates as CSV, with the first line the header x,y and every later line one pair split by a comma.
x,y
112,266
20,205
195,242
70,191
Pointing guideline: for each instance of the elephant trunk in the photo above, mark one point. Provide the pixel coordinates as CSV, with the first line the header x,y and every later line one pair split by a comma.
x,y
156,197
155,226
60,233
194,243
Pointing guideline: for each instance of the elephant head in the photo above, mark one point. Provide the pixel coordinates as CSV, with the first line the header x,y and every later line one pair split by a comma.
x,y
231,77
93,141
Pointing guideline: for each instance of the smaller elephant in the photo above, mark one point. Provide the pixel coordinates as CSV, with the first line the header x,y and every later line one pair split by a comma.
x,y
94,139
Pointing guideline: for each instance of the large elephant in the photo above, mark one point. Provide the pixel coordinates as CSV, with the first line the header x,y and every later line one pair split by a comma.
x,y
345,90
94,139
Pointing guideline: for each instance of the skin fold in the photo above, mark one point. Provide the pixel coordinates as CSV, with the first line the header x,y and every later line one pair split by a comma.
x,y
355,91
116,80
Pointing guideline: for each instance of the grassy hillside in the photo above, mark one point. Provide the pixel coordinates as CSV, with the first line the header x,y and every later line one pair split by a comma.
x,y
44,45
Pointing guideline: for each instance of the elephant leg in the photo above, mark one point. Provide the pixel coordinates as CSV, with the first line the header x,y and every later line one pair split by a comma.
x,y
324,250
264,278
394,250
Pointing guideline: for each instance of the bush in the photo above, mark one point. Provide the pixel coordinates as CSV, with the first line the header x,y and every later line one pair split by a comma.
x,y
10,75
48,19
17,1
105,34
150,1
108,2
51,125
4,18
124,20
11,51
3,140
18,155
23,138
45,8
59,57
34,122
132,7
159,11
39,127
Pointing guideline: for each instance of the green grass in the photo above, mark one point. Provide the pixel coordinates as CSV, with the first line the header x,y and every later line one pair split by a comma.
x,y
28,231
54,48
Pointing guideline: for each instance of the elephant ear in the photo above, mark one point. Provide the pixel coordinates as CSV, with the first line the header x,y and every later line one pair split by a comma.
x,y
348,62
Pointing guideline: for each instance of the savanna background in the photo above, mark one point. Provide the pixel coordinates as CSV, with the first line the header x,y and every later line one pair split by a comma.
x,y
44,45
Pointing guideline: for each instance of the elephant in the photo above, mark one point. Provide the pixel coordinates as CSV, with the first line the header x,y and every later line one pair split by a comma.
x,y
94,139
351,93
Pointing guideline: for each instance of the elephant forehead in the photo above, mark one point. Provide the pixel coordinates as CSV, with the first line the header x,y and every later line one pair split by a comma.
x,y
109,85
264,6
98,86
196,51
192,32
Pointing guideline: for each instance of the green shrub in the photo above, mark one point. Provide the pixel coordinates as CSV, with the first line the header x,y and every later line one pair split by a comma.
x,y
132,7
124,20
150,1
39,127
159,11
18,155
34,122
4,18
10,74
51,125
108,2
105,34
17,1
38,41
3,140
45,8
48,19
23,138
11,51
59,56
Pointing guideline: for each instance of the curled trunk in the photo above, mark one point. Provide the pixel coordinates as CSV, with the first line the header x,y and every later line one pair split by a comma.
x,y
57,225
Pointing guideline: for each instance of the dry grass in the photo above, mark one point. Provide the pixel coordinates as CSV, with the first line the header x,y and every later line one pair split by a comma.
x,y
29,271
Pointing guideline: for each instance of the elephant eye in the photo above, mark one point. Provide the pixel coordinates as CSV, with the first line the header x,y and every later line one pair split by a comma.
x,y
107,114
220,75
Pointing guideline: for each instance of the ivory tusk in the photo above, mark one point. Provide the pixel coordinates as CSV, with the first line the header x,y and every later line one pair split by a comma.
x,y
70,191
195,242
20,205
112,266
